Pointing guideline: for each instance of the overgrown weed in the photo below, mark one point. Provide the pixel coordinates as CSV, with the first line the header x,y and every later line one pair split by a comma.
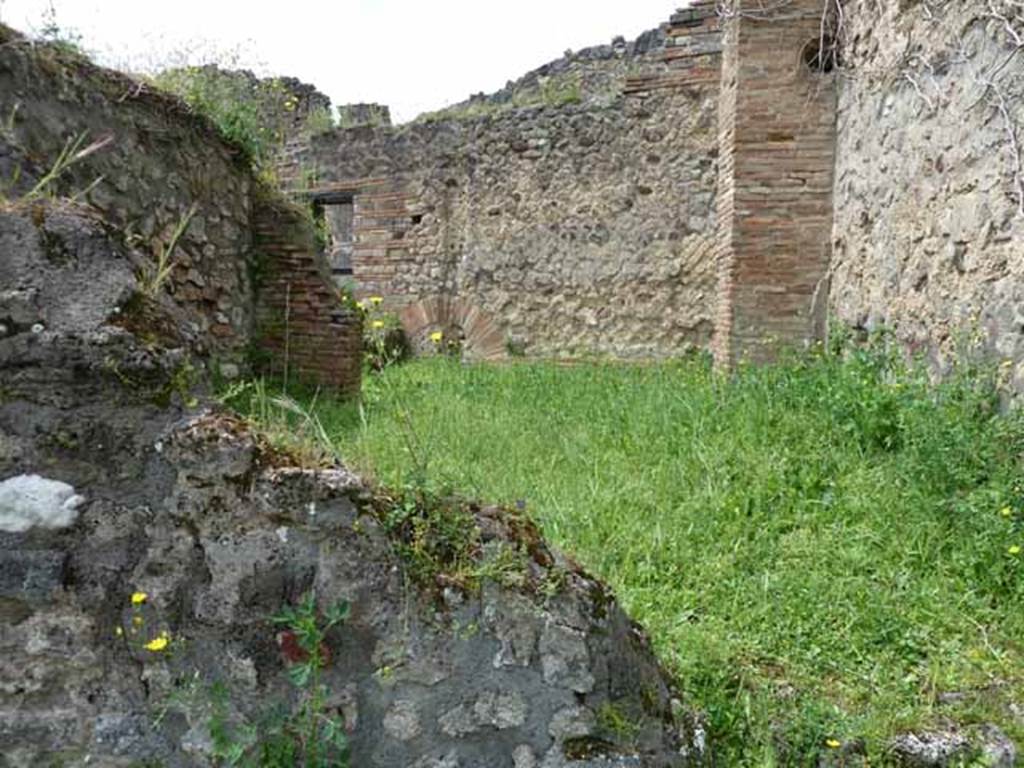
x,y
820,548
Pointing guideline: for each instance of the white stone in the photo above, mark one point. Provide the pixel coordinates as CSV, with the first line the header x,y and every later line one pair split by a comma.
x,y
229,371
28,501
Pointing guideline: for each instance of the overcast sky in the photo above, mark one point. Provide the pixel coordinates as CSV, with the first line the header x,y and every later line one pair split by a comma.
x,y
413,56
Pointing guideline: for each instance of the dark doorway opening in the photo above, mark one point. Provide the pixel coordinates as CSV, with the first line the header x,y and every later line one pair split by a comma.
x,y
334,215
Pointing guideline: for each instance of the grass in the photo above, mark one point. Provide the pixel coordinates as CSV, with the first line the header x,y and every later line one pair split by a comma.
x,y
820,549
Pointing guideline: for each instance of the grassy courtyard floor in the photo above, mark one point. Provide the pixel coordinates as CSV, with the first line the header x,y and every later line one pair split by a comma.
x,y
825,549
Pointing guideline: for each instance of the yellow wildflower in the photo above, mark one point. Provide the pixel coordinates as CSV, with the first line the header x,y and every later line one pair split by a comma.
x,y
378,324
138,598
361,305
436,337
137,621
1014,550
1005,512
118,631
833,743
158,643
375,300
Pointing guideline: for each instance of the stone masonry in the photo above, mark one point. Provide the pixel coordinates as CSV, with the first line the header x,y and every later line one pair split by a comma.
x,y
692,192
155,164
929,221
302,328
546,228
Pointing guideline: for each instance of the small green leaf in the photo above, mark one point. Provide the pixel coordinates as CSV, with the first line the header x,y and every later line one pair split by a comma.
x,y
299,675
338,612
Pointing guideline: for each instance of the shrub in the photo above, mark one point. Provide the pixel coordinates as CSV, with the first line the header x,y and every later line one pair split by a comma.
x,y
235,103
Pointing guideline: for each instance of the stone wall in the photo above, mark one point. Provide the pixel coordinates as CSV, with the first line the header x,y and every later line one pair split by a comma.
x,y
929,223
775,192
117,478
571,229
156,165
158,162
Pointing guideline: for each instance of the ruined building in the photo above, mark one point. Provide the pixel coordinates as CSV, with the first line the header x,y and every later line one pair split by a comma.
x,y
728,181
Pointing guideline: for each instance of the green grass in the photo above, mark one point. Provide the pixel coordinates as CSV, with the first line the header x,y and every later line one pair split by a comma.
x,y
818,548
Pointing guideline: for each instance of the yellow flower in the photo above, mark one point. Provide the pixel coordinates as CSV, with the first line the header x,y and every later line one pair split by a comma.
x,y
158,643
138,598
118,631
137,621
833,743
375,300
361,305
1014,550
1005,512
378,323
436,337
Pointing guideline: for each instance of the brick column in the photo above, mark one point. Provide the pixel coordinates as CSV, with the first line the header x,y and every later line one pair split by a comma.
x,y
304,332
777,147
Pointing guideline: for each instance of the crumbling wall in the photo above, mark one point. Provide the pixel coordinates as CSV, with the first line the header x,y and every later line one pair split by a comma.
x,y
929,221
303,330
146,539
156,167
573,229
157,163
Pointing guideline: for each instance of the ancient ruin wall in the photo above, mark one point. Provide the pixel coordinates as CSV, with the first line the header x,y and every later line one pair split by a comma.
x,y
303,330
567,229
929,222
158,161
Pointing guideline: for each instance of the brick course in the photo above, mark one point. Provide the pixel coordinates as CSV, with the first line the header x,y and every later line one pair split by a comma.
x,y
777,137
302,325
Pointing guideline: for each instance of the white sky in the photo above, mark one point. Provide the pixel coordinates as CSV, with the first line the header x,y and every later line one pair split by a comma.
x,y
413,56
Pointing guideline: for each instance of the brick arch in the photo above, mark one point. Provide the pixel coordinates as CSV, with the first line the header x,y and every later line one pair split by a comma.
x,y
482,337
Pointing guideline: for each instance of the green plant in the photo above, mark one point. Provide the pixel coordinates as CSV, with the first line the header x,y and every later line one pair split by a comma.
x,y
304,733
319,736
72,152
384,342
819,547
614,721
288,426
151,279
436,535
235,106
558,91
372,116
553,91
318,121
54,34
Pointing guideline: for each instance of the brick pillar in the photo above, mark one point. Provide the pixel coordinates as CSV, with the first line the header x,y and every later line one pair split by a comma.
x,y
777,147
303,329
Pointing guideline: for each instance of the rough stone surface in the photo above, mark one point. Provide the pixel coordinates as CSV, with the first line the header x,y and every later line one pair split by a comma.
x,y
553,229
157,161
155,164
929,224
984,745
184,504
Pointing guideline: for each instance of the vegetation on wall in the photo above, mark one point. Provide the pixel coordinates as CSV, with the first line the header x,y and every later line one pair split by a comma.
x,y
234,103
825,550
554,91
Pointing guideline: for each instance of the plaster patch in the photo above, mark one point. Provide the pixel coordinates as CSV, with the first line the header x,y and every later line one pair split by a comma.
x,y
29,501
